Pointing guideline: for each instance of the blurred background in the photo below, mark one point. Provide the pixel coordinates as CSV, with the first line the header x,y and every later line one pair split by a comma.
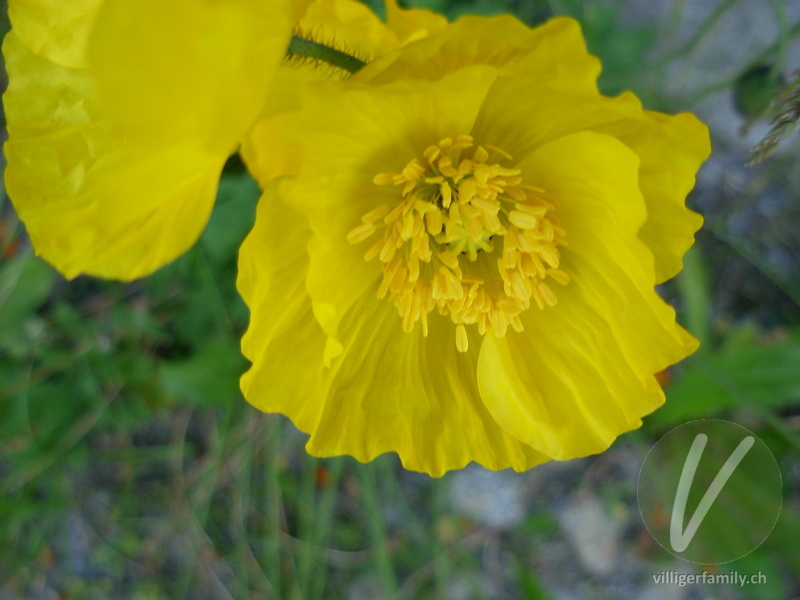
x,y
132,468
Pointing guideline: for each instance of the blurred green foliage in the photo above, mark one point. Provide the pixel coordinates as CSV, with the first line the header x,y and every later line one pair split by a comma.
x,y
131,467
755,89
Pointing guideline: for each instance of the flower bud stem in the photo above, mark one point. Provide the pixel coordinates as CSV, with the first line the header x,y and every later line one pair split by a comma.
x,y
304,48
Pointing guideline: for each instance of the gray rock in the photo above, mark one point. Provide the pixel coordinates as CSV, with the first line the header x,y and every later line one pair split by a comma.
x,y
593,532
492,499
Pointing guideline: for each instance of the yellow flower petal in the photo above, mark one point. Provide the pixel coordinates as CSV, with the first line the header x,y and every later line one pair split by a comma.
x,y
90,205
120,117
194,69
583,372
554,50
129,240
479,259
416,396
54,29
671,149
284,342
523,126
264,150
410,25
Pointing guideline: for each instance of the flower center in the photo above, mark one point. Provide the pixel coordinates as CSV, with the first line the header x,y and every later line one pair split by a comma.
x,y
440,240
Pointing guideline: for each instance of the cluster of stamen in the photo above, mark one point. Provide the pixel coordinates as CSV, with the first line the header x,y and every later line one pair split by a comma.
x,y
455,206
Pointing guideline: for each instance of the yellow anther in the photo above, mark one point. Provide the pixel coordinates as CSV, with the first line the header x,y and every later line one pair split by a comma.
x,y
517,193
448,170
499,171
468,210
547,230
419,225
487,207
374,251
433,221
558,276
462,143
532,188
454,288
532,209
360,233
447,194
462,341
521,285
394,213
432,153
509,260
455,215
410,173
534,264
408,226
422,207
375,214
388,251
464,167
413,267
522,220
467,189
475,229
383,179
482,174
525,241
448,259
550,255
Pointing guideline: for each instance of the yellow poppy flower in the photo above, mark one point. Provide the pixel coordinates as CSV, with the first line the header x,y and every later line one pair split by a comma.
x,y
121,114
463,268
347,26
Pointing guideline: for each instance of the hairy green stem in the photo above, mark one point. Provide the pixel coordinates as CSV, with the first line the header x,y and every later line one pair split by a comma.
x,y
782,21
304,48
